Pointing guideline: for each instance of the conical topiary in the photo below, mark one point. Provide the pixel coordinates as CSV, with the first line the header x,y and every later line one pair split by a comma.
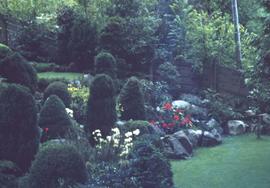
x,y
132,101
19,134
54,119
101,112
60,89
55,166
105,63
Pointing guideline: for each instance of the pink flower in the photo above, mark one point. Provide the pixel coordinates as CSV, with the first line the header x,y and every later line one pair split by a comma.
x,y
167,106
46,129
176,117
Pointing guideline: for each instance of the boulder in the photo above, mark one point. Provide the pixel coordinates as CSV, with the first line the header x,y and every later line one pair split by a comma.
x,y
192,99
184,140
237,127
183,105
265,120
209,139
214,124
193,136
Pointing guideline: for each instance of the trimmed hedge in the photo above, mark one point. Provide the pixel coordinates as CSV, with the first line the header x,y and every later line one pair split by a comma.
x,y
56,166
101,111
132,100
105,63
60,89
54,119
19,134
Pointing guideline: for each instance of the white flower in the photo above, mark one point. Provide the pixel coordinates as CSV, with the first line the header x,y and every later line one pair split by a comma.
x,y
136,132
116,131
158,108
69,112
127,140
96,131
128,134
109,138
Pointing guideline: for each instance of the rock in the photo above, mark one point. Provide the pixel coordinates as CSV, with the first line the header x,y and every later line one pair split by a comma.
x,y
250,113
193,136
210,139
158,131
198,112
174,149
183,105
265,118
236,127
192,99
184,140
214,124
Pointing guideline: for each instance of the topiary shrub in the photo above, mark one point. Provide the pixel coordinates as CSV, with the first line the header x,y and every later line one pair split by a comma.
x,y
105,63
60,89
101,111
16,70
4,51
149,167
132,101
54,119
56,166
9,173
19,134
143,126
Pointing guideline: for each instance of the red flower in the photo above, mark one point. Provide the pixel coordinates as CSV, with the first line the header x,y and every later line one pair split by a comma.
x,y
167,106
46,129
176,117
186,120
152,122
179,111
164,125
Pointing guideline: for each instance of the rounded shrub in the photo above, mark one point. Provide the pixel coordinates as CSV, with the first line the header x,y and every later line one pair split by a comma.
x,y
105,63
16,70
55,166
101,111
19,134
132,101
60,89
143,126
4,51
54,119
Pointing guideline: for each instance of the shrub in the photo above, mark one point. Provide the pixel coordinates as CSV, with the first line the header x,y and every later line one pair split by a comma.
x,y
168,72
59,89
143,126
16,70
149,167
4,51
101,112
9,172
19,134
56,166
105,63
54,119
132,101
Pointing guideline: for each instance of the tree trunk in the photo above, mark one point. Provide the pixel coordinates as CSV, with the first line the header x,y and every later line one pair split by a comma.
x,y
237,33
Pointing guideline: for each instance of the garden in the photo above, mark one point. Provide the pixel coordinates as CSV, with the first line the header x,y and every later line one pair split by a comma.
x,y
134,94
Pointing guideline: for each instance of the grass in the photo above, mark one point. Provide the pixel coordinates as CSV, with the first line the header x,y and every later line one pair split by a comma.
x,y
60,75
240,162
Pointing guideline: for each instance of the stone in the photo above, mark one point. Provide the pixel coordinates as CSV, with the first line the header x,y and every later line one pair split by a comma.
x,y
184,140
265,118
198,112
193,136
250,113
237,127
214,124
183,105
209,139
192,99
174,149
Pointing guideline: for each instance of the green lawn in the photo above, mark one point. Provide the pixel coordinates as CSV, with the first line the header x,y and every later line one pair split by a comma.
x,y
240,162
60,75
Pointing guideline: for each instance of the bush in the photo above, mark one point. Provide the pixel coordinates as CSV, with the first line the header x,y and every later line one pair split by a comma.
x,y
168,72
9,173
19,134
101,112
105,63
56,166
54,119
143,126
4,51
59,89
16,70
149,167
132,101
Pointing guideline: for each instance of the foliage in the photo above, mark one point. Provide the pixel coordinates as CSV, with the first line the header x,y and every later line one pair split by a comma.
x,y
58,165
54,119
105,63
4,51
44,67
168,73
143,126
61,90
131,100
9,173
101,112
19,134
171,119
16,70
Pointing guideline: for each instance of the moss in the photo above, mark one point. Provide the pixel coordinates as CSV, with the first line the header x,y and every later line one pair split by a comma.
x,y
54,119
59,89
132,100
19,135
